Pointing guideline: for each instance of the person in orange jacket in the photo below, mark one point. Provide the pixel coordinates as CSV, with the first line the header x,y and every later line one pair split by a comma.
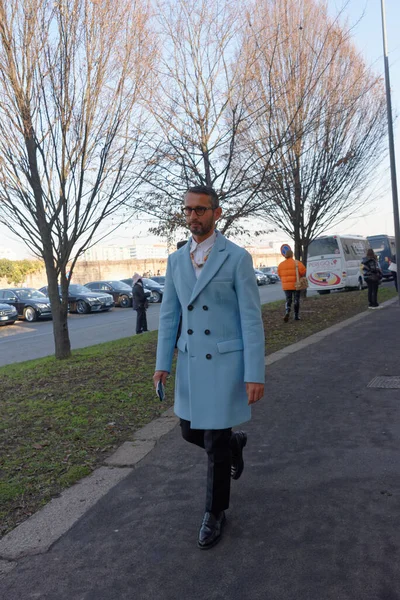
x,y
287,275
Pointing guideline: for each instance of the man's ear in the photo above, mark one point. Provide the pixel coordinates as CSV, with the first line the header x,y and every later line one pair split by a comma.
x,y
218,213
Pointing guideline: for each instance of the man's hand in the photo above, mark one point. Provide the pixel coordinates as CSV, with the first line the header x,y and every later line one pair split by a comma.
x,y
160,375
255,391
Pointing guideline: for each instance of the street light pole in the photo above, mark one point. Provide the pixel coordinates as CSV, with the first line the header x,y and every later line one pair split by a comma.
x,y
391,140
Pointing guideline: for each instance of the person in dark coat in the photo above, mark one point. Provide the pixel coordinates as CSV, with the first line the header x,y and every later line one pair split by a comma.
x,y
372,274
139,303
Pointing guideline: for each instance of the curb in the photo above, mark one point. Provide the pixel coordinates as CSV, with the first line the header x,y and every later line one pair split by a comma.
x,y
37,534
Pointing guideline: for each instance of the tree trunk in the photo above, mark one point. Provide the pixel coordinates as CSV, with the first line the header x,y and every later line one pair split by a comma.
x,y
207,169
297,210
59,309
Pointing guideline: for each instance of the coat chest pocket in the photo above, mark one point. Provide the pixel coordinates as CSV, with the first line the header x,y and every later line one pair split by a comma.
x,y
230,346
221,280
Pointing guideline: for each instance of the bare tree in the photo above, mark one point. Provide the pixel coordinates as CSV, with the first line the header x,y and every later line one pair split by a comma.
x,y
199,105
71,76
327,112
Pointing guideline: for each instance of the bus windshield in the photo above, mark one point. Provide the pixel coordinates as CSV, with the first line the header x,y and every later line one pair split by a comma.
x,y
379,243
323,247
384,247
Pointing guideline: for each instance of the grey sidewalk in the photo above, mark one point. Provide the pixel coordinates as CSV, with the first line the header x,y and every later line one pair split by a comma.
x,y
314,516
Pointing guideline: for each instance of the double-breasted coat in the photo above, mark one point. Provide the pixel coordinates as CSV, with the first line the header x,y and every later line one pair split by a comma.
x,y
221,346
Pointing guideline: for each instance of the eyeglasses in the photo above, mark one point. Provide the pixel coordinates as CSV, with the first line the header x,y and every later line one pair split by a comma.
x,y
199,210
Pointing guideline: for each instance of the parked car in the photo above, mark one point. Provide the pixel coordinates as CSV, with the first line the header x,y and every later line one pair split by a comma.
x,y
8,314
30,303
271,272
260,277
82,300
157,290
159,279
120,291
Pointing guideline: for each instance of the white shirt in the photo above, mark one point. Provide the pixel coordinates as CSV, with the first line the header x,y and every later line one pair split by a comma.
x,y
200,252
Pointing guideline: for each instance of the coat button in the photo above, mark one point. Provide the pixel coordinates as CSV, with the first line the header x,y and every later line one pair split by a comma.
x,y
205,307
207,332
208,356
190,307
190,331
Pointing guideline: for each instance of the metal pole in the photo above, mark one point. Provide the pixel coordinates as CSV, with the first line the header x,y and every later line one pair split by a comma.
x,y
391,140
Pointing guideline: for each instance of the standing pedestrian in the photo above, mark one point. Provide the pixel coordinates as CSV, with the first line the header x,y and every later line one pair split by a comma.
x,y
220,369
139,303
372,274
288,276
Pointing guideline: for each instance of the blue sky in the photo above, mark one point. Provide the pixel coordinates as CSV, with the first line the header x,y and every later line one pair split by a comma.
x,y
377,217
365,17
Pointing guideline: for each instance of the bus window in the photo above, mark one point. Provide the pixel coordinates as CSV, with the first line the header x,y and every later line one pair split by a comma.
x,y
323,247
353,249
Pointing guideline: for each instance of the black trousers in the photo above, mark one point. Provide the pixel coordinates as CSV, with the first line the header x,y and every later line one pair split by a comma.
x,y
217,444
141,320
372,292
289,295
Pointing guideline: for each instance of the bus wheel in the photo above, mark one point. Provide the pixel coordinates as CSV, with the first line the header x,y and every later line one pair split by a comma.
x,y
323,292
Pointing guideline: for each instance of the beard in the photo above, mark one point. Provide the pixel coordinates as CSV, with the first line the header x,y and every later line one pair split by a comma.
x,y
201,228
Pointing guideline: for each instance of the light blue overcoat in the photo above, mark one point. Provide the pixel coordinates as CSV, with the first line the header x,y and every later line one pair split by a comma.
x,y
222,340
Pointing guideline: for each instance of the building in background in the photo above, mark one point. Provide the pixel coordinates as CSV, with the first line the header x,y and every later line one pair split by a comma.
x,y
141,248
102,253
145,248
7,253
267,254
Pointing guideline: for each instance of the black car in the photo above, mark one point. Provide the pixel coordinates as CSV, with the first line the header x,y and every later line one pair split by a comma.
x,y
261,278
159,279
82,300
30,303
271,273
157,290
8,314
120,291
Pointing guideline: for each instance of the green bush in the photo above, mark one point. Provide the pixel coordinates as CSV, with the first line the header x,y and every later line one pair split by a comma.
x,y
15,271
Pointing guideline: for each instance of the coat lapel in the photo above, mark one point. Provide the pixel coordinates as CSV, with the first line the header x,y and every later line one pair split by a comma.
x,y
186,268
218,256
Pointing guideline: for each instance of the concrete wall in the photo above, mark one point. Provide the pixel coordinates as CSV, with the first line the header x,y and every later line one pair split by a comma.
x,y
86,271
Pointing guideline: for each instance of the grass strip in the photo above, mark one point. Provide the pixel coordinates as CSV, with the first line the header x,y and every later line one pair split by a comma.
x,y
60,419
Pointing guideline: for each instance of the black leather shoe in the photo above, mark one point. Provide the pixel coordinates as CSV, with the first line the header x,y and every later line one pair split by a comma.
x,y
296,318
211,530
238,443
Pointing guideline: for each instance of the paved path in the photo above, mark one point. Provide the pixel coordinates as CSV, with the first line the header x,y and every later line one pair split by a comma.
x,y
314,516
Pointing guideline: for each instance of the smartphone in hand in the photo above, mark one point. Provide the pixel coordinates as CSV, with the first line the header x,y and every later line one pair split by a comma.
x,y
160,389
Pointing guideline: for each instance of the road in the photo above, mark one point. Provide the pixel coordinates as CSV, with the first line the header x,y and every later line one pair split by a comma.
x,y
26,341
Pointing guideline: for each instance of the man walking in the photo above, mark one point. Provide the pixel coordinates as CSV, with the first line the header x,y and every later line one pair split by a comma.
x,y
220,369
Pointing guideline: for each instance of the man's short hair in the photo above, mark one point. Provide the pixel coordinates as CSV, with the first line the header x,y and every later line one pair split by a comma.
x,y
207,191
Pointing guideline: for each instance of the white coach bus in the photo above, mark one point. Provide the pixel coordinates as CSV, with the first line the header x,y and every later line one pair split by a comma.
x,y
334,262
